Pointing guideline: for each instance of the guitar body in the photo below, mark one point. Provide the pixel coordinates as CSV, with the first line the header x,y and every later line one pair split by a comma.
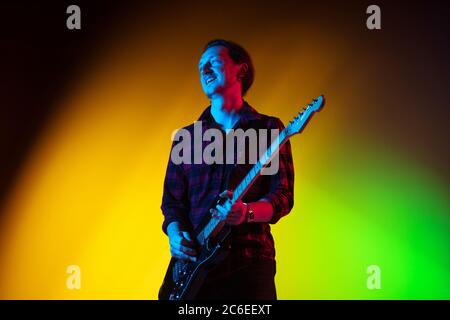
x,y
183,279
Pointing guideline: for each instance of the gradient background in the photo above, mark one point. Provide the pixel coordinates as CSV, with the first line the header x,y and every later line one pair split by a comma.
x,y
86,120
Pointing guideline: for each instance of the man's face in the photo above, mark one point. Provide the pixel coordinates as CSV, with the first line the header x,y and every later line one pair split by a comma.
x,y
218,72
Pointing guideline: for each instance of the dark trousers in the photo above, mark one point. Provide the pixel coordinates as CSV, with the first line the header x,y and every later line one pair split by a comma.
x,y
241,279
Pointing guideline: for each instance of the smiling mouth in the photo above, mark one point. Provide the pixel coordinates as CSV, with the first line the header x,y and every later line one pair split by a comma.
x,y
209,80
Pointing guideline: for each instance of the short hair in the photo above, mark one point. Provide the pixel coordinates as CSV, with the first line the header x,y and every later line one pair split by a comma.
x,y
239,55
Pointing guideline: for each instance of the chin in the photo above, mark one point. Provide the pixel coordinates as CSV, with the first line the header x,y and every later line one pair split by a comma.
x,y
210,92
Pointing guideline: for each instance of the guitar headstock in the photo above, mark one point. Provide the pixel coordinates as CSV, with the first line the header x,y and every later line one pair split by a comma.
x,y
296,125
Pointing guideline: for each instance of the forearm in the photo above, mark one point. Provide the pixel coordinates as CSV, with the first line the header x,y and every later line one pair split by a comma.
x,y
262,211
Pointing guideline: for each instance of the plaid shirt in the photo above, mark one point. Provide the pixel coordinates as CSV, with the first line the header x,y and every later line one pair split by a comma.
x,y
190,189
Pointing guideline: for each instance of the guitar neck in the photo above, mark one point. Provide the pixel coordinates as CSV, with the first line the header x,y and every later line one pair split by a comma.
x,y
295,126
214,224
251,176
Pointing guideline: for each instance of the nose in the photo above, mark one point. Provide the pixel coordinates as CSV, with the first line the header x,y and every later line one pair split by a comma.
x,y
206,69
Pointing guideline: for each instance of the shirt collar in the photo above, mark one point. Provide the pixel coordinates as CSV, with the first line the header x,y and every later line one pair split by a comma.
x,y
247,114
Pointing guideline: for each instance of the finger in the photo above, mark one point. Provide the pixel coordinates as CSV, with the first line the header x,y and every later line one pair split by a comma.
x,y
175,242
227,205
187,243
221,215
187,236
177,254
223,194
214,213
222,210
226,194
186,239
183,249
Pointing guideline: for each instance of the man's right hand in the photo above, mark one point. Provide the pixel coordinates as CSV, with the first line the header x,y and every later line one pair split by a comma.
x,y
181,244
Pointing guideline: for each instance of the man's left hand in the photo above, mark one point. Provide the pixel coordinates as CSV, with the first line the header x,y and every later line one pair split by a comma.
x,y
233,215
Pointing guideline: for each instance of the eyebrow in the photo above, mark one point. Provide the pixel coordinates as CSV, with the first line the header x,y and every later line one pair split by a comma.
x,y
209,58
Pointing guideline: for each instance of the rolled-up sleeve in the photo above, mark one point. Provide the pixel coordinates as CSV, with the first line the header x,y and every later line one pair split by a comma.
x,y
175,205
281,194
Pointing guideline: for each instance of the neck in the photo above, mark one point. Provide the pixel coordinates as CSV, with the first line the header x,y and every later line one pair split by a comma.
x,y
225,109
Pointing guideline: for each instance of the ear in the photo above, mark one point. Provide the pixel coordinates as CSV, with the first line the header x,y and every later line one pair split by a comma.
x,y
243,70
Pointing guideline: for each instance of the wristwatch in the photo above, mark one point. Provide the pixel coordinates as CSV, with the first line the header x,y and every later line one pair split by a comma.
x,y
249,215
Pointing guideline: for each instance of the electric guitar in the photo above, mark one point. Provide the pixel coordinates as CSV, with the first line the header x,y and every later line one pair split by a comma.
x,y
183,279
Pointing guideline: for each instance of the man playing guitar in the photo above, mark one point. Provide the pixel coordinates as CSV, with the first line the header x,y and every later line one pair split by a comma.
x,y
248,271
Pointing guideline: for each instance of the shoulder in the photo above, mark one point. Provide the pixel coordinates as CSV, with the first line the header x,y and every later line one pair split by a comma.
x,y
189,128
271,121
260,119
